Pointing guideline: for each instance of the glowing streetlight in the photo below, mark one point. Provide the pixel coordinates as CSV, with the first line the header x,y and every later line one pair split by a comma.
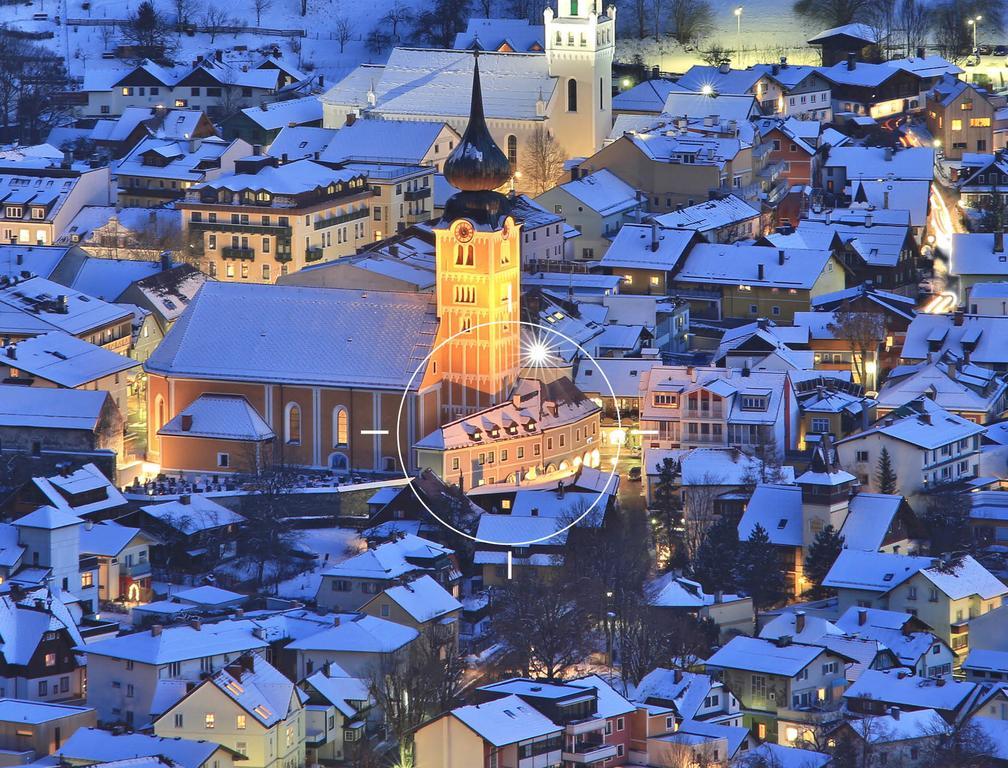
x,y
974,22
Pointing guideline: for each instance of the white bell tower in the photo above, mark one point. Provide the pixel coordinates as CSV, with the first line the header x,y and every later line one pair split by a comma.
x,y
580,42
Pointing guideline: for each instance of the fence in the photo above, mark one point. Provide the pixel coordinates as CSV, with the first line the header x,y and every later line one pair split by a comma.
x,y
221,30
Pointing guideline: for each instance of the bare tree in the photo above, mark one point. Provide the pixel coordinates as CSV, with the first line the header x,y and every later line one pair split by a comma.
x,y
415,684
914,18
398,14
260,6
14,53
542,161
714,54
41,99
963,743
690,20
881,18
215,18
864,332
833,13
268,537
639,8
184,10
765,456
699,512
157,236
344,31
487,7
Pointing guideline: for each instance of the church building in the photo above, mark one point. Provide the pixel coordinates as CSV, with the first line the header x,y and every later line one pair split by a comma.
x,y
564,85
353,380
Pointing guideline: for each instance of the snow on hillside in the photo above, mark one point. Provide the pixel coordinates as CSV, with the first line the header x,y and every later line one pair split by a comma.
x,y
769,30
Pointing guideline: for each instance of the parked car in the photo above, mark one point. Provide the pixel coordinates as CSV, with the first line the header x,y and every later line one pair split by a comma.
x,y
1001,50
984,50
634,474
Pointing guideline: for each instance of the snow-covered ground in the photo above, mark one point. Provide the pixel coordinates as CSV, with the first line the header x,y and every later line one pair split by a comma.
x,y
330,544
769,30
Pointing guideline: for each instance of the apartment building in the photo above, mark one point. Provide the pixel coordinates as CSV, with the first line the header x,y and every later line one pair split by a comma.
x,y
694,407
960,117
39,198
268,219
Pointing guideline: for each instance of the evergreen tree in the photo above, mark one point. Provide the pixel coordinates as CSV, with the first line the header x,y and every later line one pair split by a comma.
x,y
885,476
714,564
822,554
667,514
946,519
759,571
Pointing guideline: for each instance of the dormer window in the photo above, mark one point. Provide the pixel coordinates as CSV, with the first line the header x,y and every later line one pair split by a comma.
x,y
754,403
14,212
38,213
476,435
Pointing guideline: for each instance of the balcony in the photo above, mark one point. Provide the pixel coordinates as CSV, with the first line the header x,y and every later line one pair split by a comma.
x,y
233,252
588,752
313,253
714,412
138,570
233,226
343,218
417,194
589,725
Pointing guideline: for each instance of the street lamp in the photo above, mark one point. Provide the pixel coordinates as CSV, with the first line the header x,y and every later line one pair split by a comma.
x,y
974,22
738,34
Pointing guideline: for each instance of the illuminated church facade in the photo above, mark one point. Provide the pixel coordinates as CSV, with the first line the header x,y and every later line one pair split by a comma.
x,y
388,382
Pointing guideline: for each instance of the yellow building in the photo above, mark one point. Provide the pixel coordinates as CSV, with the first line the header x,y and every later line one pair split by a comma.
x,y
248,707
267,220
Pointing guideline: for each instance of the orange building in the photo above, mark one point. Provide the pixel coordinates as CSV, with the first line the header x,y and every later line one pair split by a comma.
x,y
330,377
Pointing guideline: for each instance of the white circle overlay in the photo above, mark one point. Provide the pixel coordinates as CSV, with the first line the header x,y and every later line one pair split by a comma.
x,y
423,365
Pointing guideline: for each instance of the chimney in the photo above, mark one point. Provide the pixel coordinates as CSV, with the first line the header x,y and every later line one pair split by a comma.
x,y
321,81
869,219
186,420
885,199
799,622
336,621
156,630
62,304
12,352
783,62
196,624
780,257
351,118
888,154
829,217
760,271
851,62
724,68
185,499
999,240
957,317
894,712
921,52
862,616
677,675
654,235
257,150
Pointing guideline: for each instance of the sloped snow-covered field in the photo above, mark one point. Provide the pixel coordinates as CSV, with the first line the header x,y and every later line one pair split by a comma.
x,y
769,30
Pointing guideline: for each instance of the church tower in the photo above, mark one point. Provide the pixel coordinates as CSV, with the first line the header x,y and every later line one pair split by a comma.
x,y
478,274
580,42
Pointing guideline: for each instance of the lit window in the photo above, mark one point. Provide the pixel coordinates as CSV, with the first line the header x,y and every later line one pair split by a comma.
x,y
50,659
240,722
208,720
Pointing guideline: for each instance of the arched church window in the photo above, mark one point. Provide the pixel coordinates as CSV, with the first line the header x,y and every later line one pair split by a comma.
x,y
341,426
292,424
459,256
559,41
572,95
470,256
512,150
159,408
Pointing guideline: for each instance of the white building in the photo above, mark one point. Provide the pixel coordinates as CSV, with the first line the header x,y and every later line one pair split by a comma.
x,y
566,89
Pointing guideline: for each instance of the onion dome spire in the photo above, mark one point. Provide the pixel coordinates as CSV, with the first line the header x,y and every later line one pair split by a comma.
x,y
477,164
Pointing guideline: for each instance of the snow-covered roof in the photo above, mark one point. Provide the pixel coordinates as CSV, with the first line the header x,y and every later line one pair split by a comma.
x,y
61,489
107,538
758,655
609,703
259,688
48,518
702,77
197,514
208,595
389,560
869,518
862,32
870,163
909,195
340,689
188,161
66,360
357,633
973,253
921,423
710,215
35,301
423,81
873,571
671,591
950,382
778,509
300,141
648,96
926,66
717,108
780,756
36,712
267,318
506,721
50,408
507,35
25,622
714,263
987,660
889,628
400,141
97,746
423,599
967,579
603,192
895,686
691,147
634,247
222,417
982,334
278,114
180,643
